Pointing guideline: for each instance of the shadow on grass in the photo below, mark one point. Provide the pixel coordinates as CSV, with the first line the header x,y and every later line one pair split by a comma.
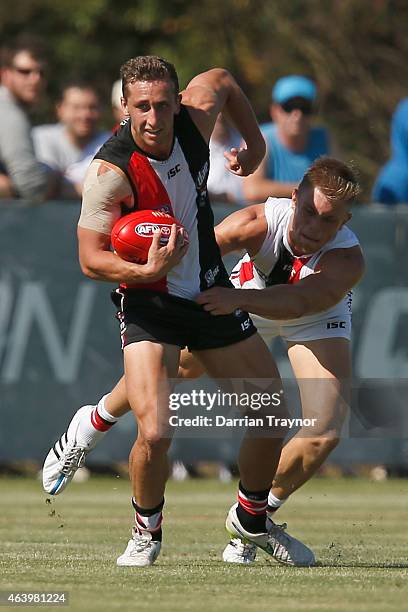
x,y
339,564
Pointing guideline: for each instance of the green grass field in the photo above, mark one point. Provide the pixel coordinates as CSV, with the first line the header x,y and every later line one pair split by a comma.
x,y
357,528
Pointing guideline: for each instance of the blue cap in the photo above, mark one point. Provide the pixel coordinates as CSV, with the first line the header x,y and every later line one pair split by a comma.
x,y
293,86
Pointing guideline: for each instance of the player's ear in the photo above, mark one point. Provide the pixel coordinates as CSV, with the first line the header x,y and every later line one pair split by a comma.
x,y
124,106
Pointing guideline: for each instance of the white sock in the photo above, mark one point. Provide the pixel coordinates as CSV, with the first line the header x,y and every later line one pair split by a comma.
x,y
103,412
93,426
149,520
274,503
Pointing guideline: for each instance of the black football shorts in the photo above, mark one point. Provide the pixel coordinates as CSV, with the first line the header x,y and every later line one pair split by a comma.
x,y
159,317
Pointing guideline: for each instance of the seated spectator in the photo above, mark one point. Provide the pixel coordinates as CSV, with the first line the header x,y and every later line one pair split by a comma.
x,y
70,145
292,143
223,186
391,186
22,82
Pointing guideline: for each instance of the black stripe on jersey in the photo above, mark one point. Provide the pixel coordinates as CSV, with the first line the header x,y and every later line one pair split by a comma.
x,y
196,152
280,273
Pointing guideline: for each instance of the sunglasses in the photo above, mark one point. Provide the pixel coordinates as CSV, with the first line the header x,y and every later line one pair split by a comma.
x,y
304,106
28,71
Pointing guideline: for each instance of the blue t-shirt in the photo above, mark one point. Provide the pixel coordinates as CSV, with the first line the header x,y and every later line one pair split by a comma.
x,y
391,186
287,166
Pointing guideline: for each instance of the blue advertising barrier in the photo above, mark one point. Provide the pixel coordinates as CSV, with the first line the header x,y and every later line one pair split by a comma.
x,y
60,349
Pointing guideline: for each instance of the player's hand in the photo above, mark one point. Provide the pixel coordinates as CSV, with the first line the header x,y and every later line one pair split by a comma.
x,y
161,259
241,161
220,300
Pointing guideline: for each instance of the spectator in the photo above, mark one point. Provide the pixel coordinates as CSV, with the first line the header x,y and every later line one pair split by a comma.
x,y
70,145
391,185
22,82
223,186
292,143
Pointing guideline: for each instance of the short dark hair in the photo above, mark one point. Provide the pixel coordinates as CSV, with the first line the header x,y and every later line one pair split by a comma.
x,y
148,68
335,179
32,44
77,84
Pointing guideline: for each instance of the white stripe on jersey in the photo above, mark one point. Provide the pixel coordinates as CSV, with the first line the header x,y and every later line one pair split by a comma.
x,y
184,279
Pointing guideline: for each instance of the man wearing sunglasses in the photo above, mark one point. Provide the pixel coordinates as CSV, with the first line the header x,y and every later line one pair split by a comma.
x,y
22,82
292,142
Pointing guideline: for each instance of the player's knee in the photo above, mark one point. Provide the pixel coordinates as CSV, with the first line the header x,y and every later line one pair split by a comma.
x,y
154,437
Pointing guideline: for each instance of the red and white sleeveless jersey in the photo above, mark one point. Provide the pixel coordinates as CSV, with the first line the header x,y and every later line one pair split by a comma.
x,y
175,193
252,272
178,186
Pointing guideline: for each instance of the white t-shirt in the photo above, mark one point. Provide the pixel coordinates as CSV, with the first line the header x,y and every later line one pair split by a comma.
x,y
220,180
54,148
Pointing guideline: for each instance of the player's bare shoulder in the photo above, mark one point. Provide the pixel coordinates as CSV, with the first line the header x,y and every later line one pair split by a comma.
x,y
347,265
106,174
106,188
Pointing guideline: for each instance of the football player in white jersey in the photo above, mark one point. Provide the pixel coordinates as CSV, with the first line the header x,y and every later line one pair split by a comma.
x,y
311,310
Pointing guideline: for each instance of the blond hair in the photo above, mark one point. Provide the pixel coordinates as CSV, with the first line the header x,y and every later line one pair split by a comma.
x,y
335,179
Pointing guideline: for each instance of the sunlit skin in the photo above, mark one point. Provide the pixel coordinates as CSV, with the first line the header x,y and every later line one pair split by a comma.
x,y
315,221
26,88
79,111
152,106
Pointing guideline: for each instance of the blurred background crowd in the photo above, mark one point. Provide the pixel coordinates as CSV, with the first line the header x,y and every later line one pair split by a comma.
x,y
321,81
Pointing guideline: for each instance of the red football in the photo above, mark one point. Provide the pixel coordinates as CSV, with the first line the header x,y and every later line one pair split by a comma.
x,y
132,234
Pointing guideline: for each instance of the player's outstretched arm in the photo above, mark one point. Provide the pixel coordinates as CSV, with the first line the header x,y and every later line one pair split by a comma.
x,y
215,91
337,273
242,230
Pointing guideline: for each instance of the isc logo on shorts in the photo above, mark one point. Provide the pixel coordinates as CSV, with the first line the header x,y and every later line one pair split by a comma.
x,y
246,324
146,230
336,325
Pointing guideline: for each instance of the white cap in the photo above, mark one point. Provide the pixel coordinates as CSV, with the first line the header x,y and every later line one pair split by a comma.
x,y
117,94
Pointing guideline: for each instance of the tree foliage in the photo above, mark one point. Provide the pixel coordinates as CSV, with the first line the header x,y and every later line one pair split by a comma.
x,y
356,50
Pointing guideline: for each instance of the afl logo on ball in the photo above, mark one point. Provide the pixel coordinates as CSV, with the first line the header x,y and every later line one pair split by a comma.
x,y
146,230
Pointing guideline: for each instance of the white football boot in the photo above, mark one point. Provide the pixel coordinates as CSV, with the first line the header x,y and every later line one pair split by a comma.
x,y
275,541
239,551
68,454
141,550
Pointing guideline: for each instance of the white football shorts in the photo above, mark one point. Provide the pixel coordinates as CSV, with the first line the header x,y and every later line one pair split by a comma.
x,y
331,327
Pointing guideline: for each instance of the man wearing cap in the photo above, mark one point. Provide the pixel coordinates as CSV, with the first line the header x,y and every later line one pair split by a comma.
x,y
292,143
